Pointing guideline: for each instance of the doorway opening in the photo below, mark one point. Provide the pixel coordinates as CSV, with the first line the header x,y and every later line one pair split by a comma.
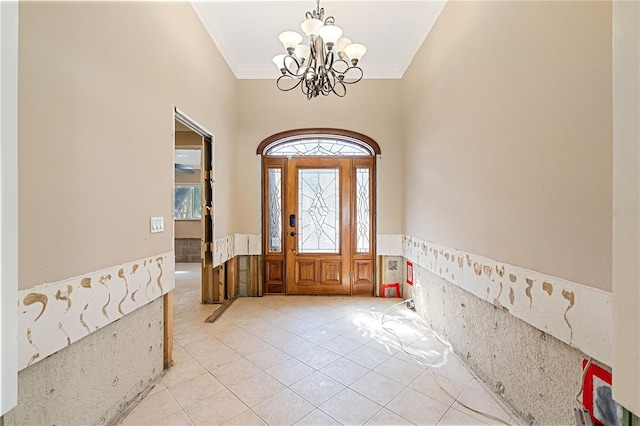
x,y
193,224
318,212
193,199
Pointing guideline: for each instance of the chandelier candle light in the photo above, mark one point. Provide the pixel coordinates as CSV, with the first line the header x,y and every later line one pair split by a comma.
x,y
315,68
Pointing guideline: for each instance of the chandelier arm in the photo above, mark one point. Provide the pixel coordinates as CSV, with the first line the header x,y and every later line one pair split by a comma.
x,y
287,69
359,78
287,77
344,89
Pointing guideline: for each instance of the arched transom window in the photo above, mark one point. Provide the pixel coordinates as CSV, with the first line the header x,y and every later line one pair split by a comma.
x,y
318,143
318,146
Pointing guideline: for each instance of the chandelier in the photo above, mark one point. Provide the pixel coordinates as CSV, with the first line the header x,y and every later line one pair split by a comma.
x,y
316,67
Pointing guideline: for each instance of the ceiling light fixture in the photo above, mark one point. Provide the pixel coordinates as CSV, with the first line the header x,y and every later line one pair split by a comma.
x,y
315,68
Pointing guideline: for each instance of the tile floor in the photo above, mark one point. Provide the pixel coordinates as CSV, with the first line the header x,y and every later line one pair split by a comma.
x,y
309,361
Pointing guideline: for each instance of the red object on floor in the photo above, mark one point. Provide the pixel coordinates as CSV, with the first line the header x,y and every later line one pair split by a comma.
x,y
594,372
385,287
410,273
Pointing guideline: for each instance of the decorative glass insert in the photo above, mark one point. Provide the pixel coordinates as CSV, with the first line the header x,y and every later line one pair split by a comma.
x,y
275,210
363,225
318,210
319,147
187,202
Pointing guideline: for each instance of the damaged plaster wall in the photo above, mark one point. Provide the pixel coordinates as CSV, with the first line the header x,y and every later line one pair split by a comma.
x,y
96,378
535,373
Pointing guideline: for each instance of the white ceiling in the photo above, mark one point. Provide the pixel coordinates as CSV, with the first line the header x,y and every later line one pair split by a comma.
x,y
246,31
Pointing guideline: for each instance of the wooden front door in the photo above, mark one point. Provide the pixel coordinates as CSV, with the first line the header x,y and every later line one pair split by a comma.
x,y
318,225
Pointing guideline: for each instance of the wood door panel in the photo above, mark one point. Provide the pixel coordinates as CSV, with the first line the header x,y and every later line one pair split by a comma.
x,y
274,276
275,271
306,272
363,271
331,273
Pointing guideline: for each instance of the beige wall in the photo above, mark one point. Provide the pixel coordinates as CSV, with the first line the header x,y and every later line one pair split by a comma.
x,y
97,85
371,107
187,138
507,129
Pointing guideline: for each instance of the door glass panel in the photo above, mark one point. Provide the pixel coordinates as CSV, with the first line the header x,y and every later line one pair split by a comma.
x,y
363,226
275,210
318,210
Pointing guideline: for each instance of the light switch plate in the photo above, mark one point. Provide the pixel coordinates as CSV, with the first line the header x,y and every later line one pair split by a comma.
x,y
157,224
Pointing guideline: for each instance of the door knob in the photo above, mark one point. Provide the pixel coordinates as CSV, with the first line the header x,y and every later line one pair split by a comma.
x,y
293,234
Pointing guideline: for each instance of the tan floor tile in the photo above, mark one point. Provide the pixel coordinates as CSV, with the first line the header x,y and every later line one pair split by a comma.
x,y
194,390
235,372
284,408
318,335
417,408
178,419
341,345
387,418
350,408
157,387
317,418
399,370
427,385
248,345
359,335
317,388
454,417
151,409
483,401
377,387
317,319
418,357
317,357
246,418
216,358
190,336
385,344
290,372
256,388
276,335
367,357
296,326
344,333
216,409
203,347
294,345
181,371
452,368
345,371
268,358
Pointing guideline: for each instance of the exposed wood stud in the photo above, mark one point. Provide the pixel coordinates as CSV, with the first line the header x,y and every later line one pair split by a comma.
x,y
168,329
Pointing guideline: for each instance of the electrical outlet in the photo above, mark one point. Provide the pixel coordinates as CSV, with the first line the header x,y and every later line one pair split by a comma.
x,y
157,224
